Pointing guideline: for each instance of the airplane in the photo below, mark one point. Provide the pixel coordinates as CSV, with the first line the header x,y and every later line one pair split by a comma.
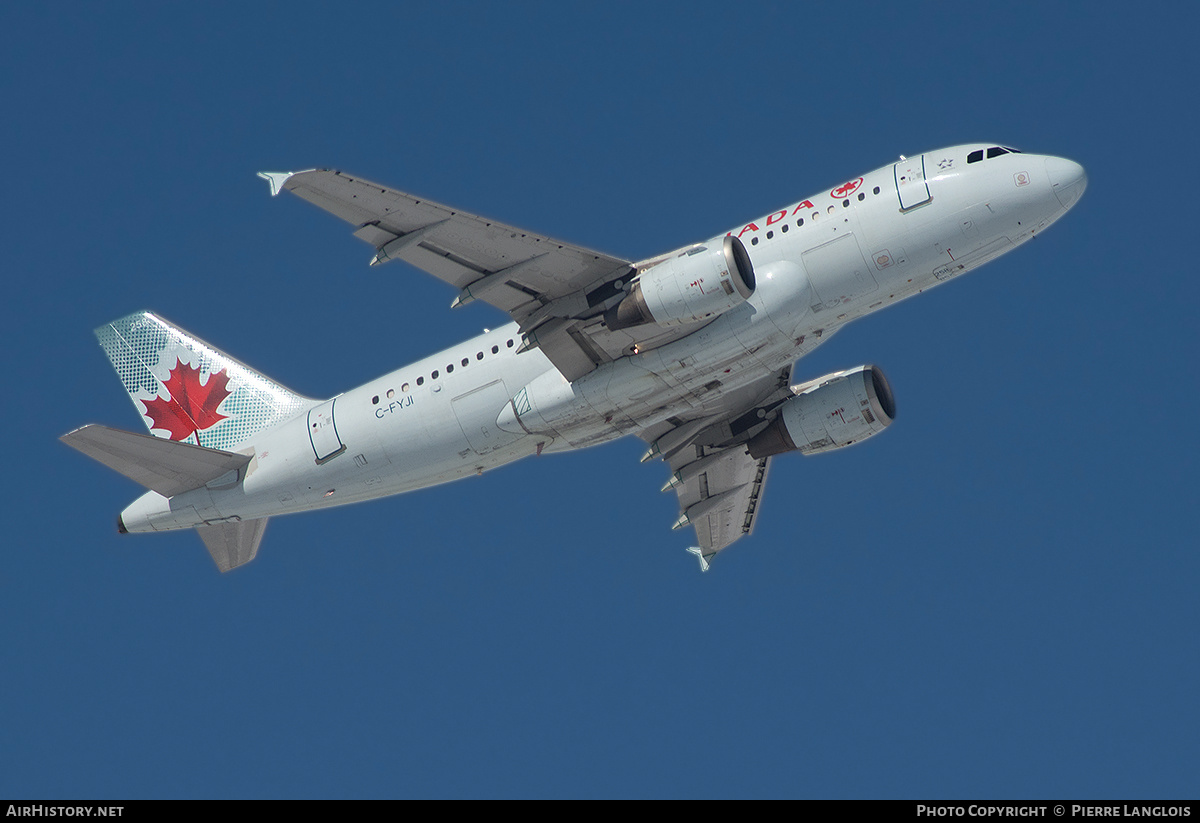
x,y
692,351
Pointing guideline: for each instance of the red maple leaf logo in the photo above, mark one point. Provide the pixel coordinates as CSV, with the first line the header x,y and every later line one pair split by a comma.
x,y
188,407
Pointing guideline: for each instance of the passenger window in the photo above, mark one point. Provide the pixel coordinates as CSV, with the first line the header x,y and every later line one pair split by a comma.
x,y
391,393
420,381
434,375
876,190
450,368
479,356
466,360
510,343
404,387
754,241
975,156
495,349
770,234
861,196
784,228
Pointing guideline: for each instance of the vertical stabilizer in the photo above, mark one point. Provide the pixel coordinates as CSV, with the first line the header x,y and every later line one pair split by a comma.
x,y
188,391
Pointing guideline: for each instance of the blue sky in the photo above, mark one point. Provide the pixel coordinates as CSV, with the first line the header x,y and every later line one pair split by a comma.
x,y
996,597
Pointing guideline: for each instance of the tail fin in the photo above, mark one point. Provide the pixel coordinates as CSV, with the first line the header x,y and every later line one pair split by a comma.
x,y
186,390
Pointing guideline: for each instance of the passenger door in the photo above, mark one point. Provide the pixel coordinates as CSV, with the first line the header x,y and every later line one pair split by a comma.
x,y
911,187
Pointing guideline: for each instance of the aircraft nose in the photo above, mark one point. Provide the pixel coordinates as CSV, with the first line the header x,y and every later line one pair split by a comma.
x,y
1067,179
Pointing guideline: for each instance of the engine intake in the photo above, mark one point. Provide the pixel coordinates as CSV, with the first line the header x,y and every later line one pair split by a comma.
x,y
696,285
829,413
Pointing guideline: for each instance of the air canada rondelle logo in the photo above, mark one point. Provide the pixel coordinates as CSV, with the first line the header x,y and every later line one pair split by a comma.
x,y
189,407
846,189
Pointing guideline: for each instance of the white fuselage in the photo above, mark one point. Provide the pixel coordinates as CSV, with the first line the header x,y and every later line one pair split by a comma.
x,y
820,263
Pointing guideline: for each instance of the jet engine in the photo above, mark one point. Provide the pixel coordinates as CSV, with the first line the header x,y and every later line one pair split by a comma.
x,y
828,413
696,285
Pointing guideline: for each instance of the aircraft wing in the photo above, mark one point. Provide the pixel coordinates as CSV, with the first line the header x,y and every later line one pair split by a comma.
x,y
718,483
721,502
555,291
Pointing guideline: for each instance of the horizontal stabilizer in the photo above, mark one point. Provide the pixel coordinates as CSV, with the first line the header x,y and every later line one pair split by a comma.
x,y
233,544
165,466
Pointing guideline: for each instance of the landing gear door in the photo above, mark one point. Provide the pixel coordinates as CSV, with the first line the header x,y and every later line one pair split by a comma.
x,y
910,183
322,432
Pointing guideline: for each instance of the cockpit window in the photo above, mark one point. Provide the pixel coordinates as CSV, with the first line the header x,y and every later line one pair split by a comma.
x,y
994,151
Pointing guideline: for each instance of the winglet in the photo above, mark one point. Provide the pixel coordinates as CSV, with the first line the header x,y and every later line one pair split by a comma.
x,y
276,179
699,552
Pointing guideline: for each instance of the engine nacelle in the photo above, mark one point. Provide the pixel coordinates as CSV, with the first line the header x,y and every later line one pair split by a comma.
x,y
696,285
829,413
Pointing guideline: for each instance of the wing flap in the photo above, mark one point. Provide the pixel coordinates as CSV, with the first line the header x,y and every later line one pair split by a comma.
x,y
721,500
375,235
571,353
718,483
